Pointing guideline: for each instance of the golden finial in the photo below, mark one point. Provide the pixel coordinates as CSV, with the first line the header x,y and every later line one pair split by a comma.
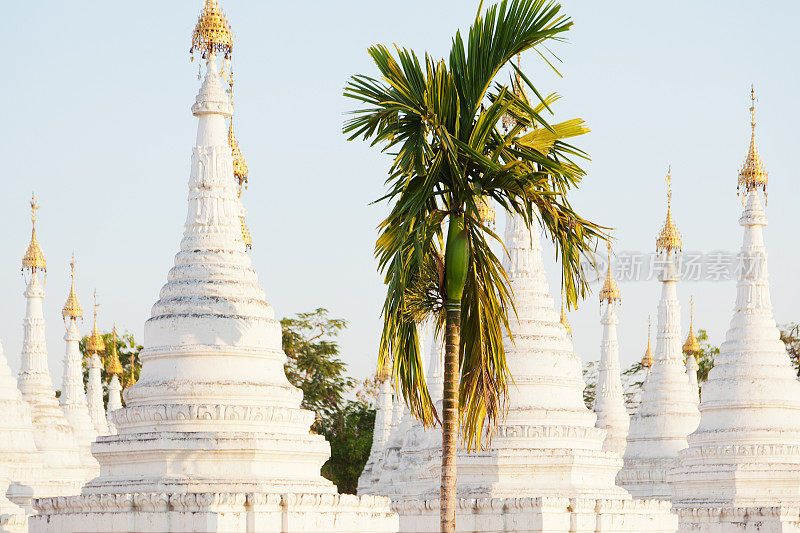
x,y
692,345
610,292
212,32
564,319
752,175
669,239
72,309
486,212
113,366
95,342
33,259
647,360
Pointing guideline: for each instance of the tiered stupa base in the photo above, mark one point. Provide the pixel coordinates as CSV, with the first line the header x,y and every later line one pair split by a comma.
x,y
542,515
213,512
781,519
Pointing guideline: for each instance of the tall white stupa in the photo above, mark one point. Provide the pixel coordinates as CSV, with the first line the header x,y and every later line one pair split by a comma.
x,y
53,433
742,468
94,386
212,436
668,409
609,403
73,397
545,468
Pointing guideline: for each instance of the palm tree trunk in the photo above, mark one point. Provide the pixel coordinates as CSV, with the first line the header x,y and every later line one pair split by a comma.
x,y
447,494
456,263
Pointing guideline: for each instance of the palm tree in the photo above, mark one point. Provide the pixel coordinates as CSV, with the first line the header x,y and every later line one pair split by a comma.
x,y
441,122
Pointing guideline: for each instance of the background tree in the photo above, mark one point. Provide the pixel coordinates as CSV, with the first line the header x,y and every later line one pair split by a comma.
x,y
440,121
128,350
313,365
790,335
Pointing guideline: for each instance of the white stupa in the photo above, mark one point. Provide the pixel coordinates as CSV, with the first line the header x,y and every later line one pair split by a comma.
x,y
668,409
113,369
94,386
742,468
609,403
212,436
380,435
25,464
73,397
53,433
691,350
545,468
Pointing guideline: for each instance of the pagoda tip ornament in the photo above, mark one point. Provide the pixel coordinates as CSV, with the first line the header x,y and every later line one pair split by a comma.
x,y
212,32
669,239
610,291
33,259
95,342
752,175
647,360
113,366
692,345
72,308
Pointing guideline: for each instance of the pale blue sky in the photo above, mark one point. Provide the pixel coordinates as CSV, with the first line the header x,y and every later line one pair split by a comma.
x,y
97,121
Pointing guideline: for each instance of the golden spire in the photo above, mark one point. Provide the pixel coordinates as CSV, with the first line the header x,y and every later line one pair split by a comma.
x,y
95,342
669,239
564,319
692,345
610,292
752,175
72,309
212,32
113,366
33,259
647,360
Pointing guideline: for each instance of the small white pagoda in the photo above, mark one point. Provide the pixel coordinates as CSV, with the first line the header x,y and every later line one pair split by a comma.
x,y
73,396
741,471
609,403
668,409
212,437
53,433
94,387
545,469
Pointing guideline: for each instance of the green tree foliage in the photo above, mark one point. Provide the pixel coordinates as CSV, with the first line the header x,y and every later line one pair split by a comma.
x,y
790,335
349,431
312,362
313,365
127,349
441,122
